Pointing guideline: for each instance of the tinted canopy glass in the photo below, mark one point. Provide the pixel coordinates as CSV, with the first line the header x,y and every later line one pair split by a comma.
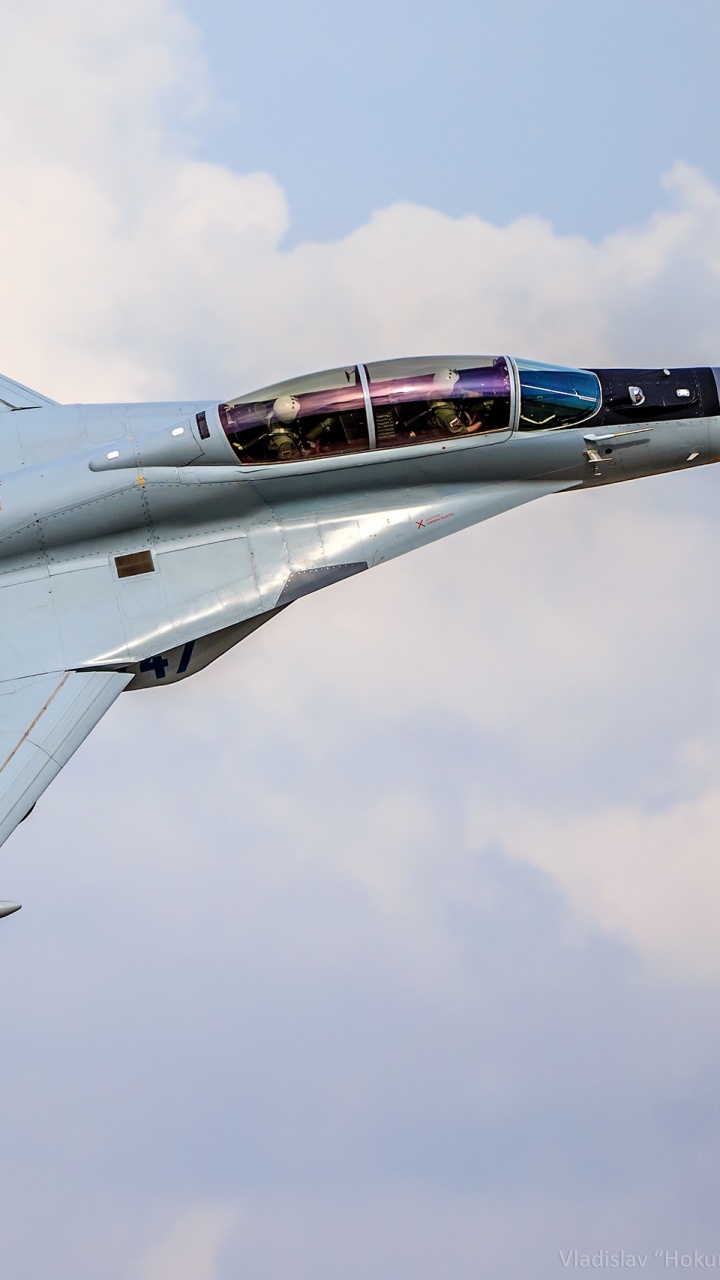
x,y
438,398
552,396
321,414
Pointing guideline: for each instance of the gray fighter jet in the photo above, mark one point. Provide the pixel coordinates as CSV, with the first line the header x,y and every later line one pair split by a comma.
x,y
138,542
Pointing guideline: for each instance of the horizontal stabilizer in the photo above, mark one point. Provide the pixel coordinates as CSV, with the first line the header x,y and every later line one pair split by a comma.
x,y
43,720
13,395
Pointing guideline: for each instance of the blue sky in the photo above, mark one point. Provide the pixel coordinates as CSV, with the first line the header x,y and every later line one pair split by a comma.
x,y
387,947
567,110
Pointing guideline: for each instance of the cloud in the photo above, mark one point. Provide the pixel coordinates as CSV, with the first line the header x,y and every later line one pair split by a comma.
x,y
130,268
190,1249
654,876
555,672
395,928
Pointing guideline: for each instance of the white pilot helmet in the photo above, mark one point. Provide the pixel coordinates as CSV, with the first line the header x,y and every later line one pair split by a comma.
x,y
286,408
444,380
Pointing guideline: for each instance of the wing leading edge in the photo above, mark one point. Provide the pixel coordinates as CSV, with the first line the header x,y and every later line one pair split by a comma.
x,y
43,720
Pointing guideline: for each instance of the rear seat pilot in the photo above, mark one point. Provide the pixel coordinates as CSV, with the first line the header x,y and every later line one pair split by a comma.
x,y
447,414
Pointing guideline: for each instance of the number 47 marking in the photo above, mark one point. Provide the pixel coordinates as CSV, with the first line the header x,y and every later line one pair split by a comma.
x,y
159,663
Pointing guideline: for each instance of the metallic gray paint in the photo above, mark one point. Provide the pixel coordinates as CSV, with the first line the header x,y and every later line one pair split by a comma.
x,y
230,544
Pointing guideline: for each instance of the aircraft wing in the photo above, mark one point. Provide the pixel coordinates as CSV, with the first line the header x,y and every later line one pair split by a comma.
x,y
43,720
13,395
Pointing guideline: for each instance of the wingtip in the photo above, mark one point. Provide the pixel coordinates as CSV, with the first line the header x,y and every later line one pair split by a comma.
x,y
7,908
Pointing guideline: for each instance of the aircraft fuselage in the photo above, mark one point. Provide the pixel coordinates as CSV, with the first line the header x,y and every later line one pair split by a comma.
x,y
138,542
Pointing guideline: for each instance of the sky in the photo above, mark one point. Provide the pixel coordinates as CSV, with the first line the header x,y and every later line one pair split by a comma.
x,y
387,948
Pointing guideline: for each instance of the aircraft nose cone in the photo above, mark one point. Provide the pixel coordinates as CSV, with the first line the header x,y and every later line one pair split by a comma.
x,y
7,908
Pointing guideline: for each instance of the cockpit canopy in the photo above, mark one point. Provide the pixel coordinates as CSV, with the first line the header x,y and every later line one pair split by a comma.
x,y
394,403
553,396
321,413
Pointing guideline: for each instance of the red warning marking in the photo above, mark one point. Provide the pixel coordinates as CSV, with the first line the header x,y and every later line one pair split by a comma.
x,y
425,523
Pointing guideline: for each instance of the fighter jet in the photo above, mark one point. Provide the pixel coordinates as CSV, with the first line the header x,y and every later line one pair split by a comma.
x,y
139,542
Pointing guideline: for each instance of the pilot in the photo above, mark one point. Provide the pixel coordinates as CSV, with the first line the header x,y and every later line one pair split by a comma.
x,y
283,435
452,418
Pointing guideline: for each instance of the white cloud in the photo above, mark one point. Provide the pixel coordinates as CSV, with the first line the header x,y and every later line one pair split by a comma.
x,y
130,268
289,900
653,876
189,1250
418,1232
